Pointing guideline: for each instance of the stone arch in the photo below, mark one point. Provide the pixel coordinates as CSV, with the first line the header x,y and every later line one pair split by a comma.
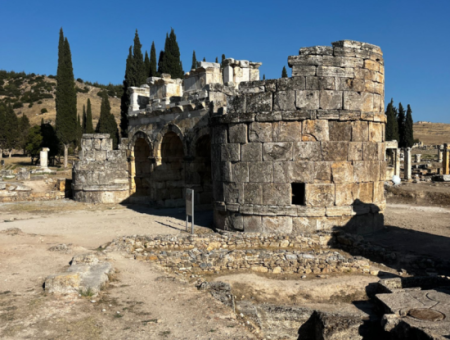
x,y
195,136
137,135
159,139
141,164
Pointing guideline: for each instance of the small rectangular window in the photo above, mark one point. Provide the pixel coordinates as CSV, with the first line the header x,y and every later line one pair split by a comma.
x,y
298,193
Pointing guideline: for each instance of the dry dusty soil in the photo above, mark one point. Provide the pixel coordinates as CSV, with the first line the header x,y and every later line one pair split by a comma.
x,y
143,301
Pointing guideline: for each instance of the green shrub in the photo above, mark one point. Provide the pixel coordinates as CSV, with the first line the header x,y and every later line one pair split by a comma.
x,y
31,105
17,105
44,110
80,80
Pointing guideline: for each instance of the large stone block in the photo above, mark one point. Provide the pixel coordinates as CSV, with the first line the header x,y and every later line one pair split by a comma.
x,y
301,172
340,61
305,60
302,70
233,192
378,192
284,101
287,132
277,194
331,71
236,104
231,152
355,150
240,172
315,130
346,193
377,103
251,152
269,116
360,131
322,172
293,83
252,224
320,83
370,151
307,151
335,151
280,172
319,195
330,100
219,134
234,222
260,132
253,193
342,172
238,133
260,102
316,50
340,131
376,132
277,151
372,65
366,192
277,224
260,172
304,225
350,84
364,171
308,100
298,115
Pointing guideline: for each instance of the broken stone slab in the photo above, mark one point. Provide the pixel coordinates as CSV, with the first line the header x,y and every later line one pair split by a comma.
x,y
2,186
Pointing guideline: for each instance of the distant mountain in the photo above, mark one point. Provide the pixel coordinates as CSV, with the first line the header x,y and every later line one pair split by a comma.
x,y
32,95
432,133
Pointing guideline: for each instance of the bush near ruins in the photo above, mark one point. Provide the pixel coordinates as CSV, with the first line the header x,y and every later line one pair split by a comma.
x,y
44,110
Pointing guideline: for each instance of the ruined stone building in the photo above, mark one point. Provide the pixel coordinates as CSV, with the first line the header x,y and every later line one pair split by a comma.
x,y
293,154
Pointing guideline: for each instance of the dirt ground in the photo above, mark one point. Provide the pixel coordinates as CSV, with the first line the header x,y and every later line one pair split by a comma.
x,y
143,301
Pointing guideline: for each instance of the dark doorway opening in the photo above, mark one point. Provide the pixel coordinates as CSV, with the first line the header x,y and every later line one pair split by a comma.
x,y
298,193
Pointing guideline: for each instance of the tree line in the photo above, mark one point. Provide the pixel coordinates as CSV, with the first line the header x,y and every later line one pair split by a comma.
x,y
399,125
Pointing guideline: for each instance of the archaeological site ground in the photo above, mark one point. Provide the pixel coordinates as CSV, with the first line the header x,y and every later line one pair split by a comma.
x,y
308,223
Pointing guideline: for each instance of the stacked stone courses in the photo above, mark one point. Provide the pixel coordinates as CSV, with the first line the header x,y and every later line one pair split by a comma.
x,y
323,127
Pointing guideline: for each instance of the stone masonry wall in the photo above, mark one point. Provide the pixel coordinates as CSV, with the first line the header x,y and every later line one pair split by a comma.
x,y
322,129
101,174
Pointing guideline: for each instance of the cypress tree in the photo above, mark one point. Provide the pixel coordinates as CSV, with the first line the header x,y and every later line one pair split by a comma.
x,y
284,73
264,77
171,61
161,69
11,130
204,59
391,124
66,98
89,124
124,100
223,58
137,75
153,71
106,122
217,60
83,121
147,65
409,124
2,130
401,118
194,61
79,132
24,128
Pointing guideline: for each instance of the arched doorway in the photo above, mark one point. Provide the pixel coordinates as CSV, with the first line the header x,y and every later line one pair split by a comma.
x,y
143,167
203,169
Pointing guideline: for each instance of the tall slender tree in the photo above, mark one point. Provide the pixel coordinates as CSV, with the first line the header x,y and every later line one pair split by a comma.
x,y
124,100
401,119
161,69
12,130
264,77
391,127
194,61
107,123
89,124
79,132
153,62
24,129
83,120
172,62
137,74
284,73
409,124
66,98
147,65
223,58
217,60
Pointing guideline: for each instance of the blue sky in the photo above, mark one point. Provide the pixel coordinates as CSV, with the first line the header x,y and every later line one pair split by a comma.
x,y
414,36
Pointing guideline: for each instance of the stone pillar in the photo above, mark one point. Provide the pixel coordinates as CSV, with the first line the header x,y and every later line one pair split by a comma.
x,y
44,158
228,74
440,154
446,160
407,164
418,155
397,162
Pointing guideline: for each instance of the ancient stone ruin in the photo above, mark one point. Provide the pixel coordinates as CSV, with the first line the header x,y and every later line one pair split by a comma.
x,y
287,155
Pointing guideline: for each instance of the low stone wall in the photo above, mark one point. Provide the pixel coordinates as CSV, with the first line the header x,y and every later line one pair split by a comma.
x,y
15,192
269,253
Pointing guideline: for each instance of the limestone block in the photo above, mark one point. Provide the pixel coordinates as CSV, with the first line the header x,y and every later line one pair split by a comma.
x,y
330,100
231,152
240,172
236,104
320,195
269,116
371,65
376,132
346,115
284,101
234,222
340,131
277,194
307,151
219,134
367,102
66,283
260,172
353,100
252,224
355,151
298,114
366,192
251,152
308,100
312,83
346,193
226,171
254,74
360,131
339,211
331,71
377,99
277,151
280,172
335,151
237,133
379,78
260,132
350,52
370,151
340,61
317,50
378,192
287,131
315,130
305,60
304,225
291,84
253,193
369,86
300,172
322,172
100,156
310,211
366,171
342,172
259,102
328,114
383,170
350,84
277,224
302,70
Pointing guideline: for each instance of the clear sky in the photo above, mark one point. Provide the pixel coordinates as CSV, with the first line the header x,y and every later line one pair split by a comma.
x,y
413,34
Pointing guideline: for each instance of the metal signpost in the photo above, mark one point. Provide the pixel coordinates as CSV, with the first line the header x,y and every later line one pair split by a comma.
x,y
190,208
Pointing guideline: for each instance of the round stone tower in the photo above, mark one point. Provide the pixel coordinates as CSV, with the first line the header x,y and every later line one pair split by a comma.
x,y
305,153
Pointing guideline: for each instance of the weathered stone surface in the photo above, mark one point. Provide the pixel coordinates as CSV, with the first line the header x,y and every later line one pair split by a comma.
x,y
284,101
378,192
287,132
350,84
304,224
277,194
335,151
308,100
231,152
259,102
346,193
322,172
260,132
260,172
316,50
252,224
340,131
238,133
278,224
370,151
302,70
331,71
253,193
360,131
366,192
251,152
298,114
376,132
355,151
280,172
330,100
289,84
240,172
307,151
320,195
315,130
342,172
277,151
233,192
301,172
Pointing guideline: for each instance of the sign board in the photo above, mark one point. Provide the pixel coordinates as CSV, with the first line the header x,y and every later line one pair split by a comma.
x,y
190,208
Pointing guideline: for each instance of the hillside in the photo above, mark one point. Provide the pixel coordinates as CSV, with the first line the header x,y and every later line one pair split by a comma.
x,y
432,133
29,94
